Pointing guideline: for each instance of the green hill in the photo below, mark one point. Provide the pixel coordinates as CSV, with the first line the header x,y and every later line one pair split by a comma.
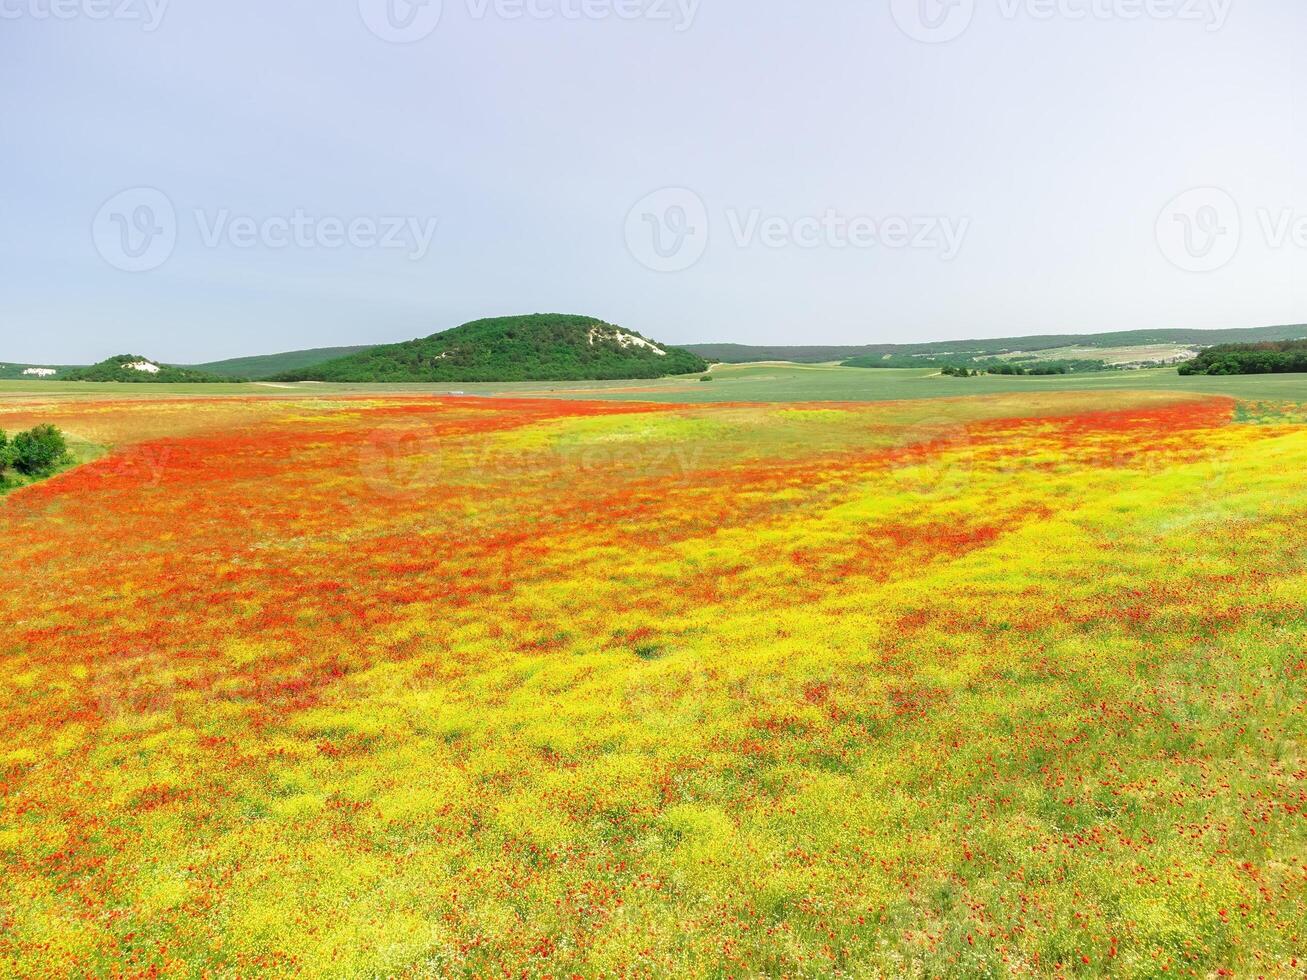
x,y
540,347
263,366
741,353
132,368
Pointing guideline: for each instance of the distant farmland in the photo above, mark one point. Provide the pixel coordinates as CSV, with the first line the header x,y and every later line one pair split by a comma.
x,y
739,353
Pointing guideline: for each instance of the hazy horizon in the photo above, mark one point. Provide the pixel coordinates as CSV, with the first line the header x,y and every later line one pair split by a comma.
x,y
201,181
394,340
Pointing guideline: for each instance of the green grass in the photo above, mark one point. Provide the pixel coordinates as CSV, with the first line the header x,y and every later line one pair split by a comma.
x,y
734,383
79,452
743,353
798,383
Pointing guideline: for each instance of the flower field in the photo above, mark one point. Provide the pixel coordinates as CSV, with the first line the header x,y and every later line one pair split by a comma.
x,y
408,686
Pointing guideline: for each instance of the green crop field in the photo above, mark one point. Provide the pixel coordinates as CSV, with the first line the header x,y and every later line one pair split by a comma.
x,y
737,383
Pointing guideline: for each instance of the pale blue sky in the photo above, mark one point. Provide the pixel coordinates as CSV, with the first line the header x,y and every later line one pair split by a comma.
x,y
1052,142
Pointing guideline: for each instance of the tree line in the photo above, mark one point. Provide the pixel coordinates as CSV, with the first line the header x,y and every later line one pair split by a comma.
x,y
1042,368
973,367
1278,357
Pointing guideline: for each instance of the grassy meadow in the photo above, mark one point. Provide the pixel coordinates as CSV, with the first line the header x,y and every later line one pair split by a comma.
x,y
803,672
762,382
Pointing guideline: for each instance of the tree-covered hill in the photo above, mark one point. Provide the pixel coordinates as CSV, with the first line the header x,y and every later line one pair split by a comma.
x,y
10,371
539,347
132,368
260,366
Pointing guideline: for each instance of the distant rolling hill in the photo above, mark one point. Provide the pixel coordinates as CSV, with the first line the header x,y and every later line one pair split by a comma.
x,y
538,347
262,366
135,369
20,372
463,365
813,354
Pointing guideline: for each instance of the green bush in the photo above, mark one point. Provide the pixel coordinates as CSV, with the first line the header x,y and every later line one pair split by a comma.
x,y
38,451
